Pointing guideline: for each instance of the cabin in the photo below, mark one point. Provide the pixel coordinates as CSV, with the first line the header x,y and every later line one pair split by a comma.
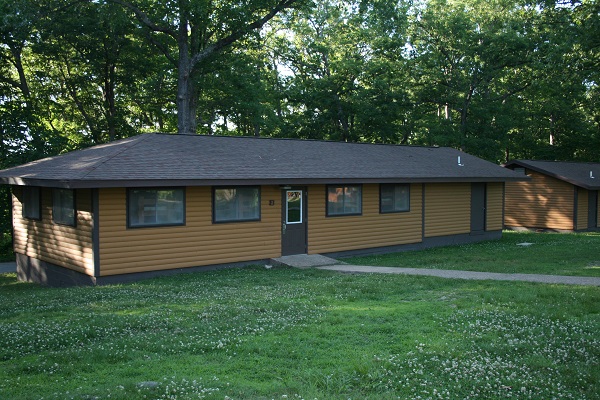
x,y
160,203
560,196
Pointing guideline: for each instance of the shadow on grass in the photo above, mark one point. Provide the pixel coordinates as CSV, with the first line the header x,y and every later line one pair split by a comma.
x,y
8,279
9,282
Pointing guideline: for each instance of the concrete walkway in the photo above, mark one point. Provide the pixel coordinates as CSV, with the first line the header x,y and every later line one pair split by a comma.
x,y
452,274
322,262
8,267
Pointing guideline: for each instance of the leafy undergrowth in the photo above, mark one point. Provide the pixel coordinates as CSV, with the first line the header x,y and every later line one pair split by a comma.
x,y
299,334
6,248
517,252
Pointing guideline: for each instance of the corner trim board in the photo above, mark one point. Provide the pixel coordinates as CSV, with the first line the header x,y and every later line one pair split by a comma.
x,y
96,232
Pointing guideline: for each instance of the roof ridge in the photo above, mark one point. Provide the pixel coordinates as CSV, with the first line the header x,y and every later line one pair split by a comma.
x,y
305,140
555,161
126,147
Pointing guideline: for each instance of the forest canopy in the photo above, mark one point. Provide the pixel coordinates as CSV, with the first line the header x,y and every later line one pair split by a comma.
x,y
500,79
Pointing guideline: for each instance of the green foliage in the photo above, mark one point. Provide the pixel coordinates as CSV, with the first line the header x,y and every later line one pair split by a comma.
x,y
6,248
284,333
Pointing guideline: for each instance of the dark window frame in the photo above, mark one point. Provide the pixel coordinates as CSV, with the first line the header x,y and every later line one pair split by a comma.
x,y
157,225
25,201
230,221
54,205
359,186
381,186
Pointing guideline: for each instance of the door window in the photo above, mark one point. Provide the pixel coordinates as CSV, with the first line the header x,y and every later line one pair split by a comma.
x,y
294,207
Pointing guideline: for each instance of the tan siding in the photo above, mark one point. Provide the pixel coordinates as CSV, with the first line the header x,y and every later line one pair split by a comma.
x,y
582,208
371,229
199,242
543,202
447,209
66,246
495,201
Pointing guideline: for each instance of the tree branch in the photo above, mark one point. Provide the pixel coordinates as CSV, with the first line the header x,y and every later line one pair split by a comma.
x,y
144,19
164,49
11,82
511,92
235,36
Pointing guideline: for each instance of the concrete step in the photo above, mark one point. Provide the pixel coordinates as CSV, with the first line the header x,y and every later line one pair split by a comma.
x,y
305,261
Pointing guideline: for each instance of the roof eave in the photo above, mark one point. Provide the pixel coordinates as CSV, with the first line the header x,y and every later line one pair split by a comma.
x,y
99,183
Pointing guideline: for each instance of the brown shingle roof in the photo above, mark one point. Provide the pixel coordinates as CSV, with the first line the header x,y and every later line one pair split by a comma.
x,y
178,160
583,174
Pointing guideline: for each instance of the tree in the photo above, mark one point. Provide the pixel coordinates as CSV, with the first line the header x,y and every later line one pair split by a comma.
x,y
90,64
20,111
342,76
469,57
192,33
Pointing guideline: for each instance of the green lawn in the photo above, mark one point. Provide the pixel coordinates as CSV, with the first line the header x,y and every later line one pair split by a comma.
x,y
284,333
549,253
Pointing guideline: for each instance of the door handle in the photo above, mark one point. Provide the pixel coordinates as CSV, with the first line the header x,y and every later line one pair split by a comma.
x,y
283,228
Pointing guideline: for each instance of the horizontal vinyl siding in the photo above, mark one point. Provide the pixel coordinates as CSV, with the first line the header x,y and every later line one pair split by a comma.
x,y
66,246
447,209
371,229
199,242
542,202
495,201
582,209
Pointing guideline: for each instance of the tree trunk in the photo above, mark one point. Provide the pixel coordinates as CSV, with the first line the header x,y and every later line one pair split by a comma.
x,y
187,103
464,112
109,98
552,130
342,120
22,79
256,126
186,33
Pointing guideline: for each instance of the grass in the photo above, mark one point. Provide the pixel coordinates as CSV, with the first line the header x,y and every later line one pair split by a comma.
x,y
284,333
576,254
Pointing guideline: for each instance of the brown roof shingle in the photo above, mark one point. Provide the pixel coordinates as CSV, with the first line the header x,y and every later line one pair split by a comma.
x,y
164,159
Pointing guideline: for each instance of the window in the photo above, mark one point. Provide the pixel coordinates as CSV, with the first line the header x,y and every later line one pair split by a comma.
x,y
63,206
32,202
236,204
344,200
394,198
293,207
155,207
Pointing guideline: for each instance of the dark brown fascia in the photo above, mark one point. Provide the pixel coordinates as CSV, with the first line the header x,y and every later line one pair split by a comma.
x,y
90,184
